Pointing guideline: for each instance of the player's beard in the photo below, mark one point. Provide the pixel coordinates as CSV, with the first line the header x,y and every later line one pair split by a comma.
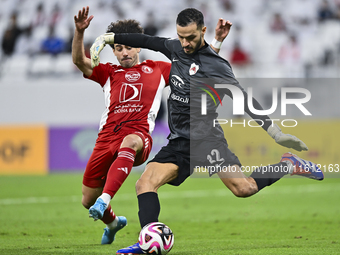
x,y
198,46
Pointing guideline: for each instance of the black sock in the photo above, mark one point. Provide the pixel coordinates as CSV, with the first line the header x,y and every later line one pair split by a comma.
x,y
267,175
149,208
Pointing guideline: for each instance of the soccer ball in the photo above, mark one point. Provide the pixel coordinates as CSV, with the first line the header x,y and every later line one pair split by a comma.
x,y
156,238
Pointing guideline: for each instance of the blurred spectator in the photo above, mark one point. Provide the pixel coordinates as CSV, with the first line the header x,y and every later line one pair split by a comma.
x,y
290,57
55,16
27,44
52,44
117,8
227,5
337,12
39,17
239,56
68,44
290,52
11,36
278,24
151,28
328,57
325,11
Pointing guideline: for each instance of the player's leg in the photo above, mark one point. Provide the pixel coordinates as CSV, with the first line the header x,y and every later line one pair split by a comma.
x,y
90,195
264,176
95,174
243,186
155,175
118,172
93,183
290,164
171,165
235,180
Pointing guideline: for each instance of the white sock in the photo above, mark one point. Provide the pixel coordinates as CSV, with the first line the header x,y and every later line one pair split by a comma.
x,y
106,198
113,224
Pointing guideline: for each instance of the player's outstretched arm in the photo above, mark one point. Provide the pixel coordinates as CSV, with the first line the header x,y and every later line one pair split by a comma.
x,y
81,22
135,40
273,130
98,46
286,140
221,32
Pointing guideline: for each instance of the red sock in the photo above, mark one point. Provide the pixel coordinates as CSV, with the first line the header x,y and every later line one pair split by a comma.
x,y
119,170
108,215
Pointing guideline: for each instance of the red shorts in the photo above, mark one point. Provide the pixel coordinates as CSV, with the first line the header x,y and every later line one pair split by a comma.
x,y
105,153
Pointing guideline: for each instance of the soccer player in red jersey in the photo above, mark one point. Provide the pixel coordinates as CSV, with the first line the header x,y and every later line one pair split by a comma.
x,y
133,93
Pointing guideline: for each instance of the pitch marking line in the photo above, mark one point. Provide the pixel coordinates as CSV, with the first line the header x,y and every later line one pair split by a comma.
x,y
310,188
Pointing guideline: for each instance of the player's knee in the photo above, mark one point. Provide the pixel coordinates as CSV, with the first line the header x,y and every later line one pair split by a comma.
x,y
134,142
86,202
145,184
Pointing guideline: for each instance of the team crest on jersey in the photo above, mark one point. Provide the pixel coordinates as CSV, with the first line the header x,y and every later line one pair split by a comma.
x,y
132,76
147,69
193,69
130,92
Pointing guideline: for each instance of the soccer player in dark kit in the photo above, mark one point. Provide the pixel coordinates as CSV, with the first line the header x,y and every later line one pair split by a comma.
x,y
132,93
193,136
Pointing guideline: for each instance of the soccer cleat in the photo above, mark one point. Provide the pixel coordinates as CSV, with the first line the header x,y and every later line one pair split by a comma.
x,y
109,234
96,211
302,167
131,250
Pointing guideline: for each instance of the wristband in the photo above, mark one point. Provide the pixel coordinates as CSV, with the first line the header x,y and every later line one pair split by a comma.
x,y
216,44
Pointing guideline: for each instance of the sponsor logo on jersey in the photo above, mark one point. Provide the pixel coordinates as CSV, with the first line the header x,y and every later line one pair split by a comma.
x,y
132,76
181,99
147,69
130,92
193,69
177,81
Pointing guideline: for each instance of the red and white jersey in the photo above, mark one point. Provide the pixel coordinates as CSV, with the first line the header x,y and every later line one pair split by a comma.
x,y
132,95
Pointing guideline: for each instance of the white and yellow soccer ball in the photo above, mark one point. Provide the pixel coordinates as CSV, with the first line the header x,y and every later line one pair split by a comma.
x,y
156,238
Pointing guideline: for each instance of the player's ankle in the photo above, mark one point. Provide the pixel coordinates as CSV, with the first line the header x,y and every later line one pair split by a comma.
x,y
106,198
113,224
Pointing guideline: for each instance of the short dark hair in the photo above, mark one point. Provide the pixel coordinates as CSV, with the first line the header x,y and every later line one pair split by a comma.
x,y
188,16
125,26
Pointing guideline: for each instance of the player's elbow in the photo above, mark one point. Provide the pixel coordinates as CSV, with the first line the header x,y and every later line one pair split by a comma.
x,y
79,62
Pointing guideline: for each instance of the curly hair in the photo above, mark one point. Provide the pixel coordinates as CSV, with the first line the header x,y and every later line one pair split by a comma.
x,y
125,26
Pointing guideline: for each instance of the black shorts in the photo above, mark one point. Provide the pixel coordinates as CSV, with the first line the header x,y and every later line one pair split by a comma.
x,y
203,153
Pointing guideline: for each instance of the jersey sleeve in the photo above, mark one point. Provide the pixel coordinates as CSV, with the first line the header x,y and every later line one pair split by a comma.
x,y
165,69
225,75
154,43
100,74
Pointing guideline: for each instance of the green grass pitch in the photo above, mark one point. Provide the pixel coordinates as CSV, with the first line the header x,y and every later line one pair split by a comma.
x,y
44,215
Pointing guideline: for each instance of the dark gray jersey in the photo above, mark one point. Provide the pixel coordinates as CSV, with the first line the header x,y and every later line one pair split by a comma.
x,y
190,75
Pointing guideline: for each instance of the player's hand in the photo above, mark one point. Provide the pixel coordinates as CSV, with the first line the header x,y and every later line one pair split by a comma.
x,y
82,21
286,140
99,45
222,29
